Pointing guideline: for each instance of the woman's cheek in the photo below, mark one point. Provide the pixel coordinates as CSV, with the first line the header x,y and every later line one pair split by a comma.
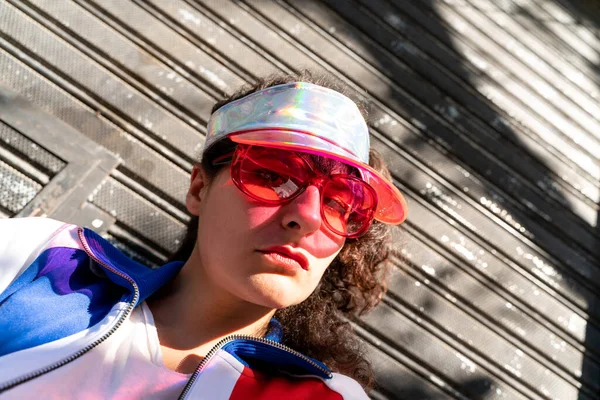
x,y
257,215
325,245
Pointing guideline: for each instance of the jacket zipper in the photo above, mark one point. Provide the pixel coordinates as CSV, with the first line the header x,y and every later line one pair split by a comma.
x,y
231,338
89,347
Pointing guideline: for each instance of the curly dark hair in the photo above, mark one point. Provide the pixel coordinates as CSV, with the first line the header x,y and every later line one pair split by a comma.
x,y
353,283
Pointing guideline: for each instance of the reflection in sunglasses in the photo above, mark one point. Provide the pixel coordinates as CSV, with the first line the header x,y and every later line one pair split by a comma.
x,y
286,189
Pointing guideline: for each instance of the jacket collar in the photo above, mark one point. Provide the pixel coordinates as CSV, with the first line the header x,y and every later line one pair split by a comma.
x,y
147,279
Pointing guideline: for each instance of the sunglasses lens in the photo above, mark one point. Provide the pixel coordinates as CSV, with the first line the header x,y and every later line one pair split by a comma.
x,y
272,175
348,205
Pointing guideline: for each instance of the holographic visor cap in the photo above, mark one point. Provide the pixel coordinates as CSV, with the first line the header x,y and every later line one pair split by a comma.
x,y
308,118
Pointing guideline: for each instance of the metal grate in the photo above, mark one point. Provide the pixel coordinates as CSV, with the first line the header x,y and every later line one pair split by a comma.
x,y
139,215
17,189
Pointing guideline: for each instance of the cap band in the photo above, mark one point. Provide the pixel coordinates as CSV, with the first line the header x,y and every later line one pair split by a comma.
x,y
299,106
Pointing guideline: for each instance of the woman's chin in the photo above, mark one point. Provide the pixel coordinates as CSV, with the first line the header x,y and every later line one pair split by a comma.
x,y
277,296
275,291
279,302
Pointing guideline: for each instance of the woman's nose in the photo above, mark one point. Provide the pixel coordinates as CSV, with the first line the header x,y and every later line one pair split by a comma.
x,y
303,214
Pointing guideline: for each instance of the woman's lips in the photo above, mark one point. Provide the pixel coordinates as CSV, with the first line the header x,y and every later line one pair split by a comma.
x,y
286,257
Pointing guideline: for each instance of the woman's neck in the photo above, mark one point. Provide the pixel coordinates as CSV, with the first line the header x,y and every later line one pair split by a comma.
x,y
192,314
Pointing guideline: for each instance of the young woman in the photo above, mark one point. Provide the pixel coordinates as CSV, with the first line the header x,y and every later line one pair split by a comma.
x,y
289,238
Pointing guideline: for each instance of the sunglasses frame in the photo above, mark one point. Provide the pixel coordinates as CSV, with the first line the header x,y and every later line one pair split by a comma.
x,y
319,180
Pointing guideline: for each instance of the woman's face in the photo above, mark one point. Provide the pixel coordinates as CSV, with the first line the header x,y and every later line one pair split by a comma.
x,y
272,256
